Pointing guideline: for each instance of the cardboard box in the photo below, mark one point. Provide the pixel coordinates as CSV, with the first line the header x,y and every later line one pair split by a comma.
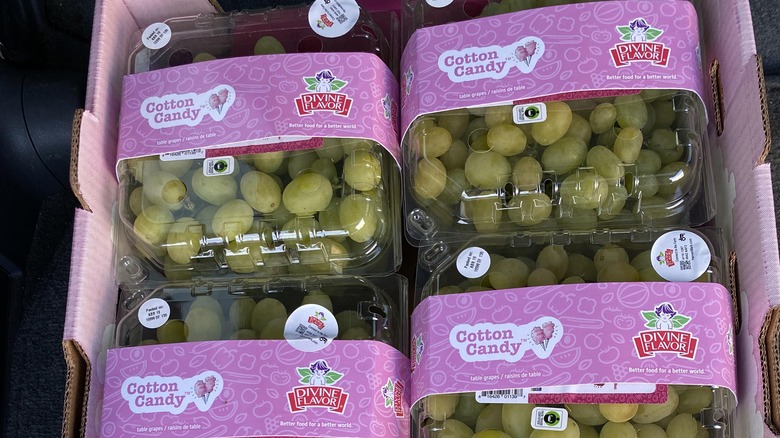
x,y
743,183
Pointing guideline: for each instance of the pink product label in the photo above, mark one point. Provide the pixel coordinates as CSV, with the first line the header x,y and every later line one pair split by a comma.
x,y
580,334
590,47
256,388
242,101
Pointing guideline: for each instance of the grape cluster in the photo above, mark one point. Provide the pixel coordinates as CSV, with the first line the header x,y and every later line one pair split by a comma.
x,y
628,158
461,416
312,209
242,318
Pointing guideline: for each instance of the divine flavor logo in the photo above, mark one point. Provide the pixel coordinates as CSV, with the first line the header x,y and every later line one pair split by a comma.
x,y
417,350
666,334
639,45
393,393
171,394
665,257
324,97
318,391
188,109
317,320
492,62
508,342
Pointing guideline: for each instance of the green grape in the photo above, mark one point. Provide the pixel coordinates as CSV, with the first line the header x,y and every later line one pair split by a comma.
x,y
702,432
326,168
149,342
586,191
330,222
318,297
243,258
479,142
171,332
136,200
554,128
527,173
508,273
615,201
617,430
240,313
490,418
682,426
430,178
608,138
628,145
581,266
650,125
654,208
498,115
694,400
362,170
564,155
233,218
588,431
605,163
348,319
484,213
261,191
487,170
273,330
477,288
299,162
651,94
358,217
441,406
579,128
215,190
183,241
451,428
664,114
244,335
516,419
449,290
330,256
454,121
603,118
653,413
177,167
153,224
456,155
649,431
529,209
542,277
468,409
350,145
299,231
164,189
202,324
617,272
618,412
432,142
645,186
554,258
307,194
267,310
203,56
663,422
642,260
331,149
455,186
140,167
506,139
662,140
491,433
356,334
631,111
572,431
579,219
268,45
673,177
609,254
648,162
476,126
268,162
573,280
588,414
649,275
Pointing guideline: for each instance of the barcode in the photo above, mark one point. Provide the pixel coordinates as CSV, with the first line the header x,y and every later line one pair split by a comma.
x,y
301,329
341,18
510,393
685,265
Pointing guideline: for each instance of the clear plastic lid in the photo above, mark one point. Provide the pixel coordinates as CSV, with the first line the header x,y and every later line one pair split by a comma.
x,y
607,162
364,309
268,31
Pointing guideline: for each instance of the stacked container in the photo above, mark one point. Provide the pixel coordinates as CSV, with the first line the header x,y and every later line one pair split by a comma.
x,y
258,229
555,159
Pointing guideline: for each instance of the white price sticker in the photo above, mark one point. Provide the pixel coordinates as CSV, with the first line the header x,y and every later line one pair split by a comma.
x,y
680,256
311,327
219,166
473,262
438,3
529,113
154,313
549,418
333,18
156,36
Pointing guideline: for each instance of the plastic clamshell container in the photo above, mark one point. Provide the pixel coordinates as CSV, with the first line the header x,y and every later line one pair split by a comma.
x,y
268,31
527,351
587,140
297,204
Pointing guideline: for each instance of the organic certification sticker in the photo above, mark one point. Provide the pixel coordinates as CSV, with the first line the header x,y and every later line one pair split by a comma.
x,y
154,313
549,418
156,36
680,256
473,262
529,113
219,166
333,18
311,327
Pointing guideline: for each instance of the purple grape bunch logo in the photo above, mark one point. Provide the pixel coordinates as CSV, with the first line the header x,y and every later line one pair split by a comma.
x,y
639,45
541,335
525,53
406,84
204,388
417,349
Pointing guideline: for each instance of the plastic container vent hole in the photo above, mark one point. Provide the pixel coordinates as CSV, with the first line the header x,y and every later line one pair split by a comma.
x,y
377,311
474,8
369,30
310,44
180,57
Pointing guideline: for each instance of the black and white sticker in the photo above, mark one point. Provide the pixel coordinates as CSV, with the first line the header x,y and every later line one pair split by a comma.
x,y
529,113
219,166
473,262
333,18
154,313
156,36
680,255
549,418
311,327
